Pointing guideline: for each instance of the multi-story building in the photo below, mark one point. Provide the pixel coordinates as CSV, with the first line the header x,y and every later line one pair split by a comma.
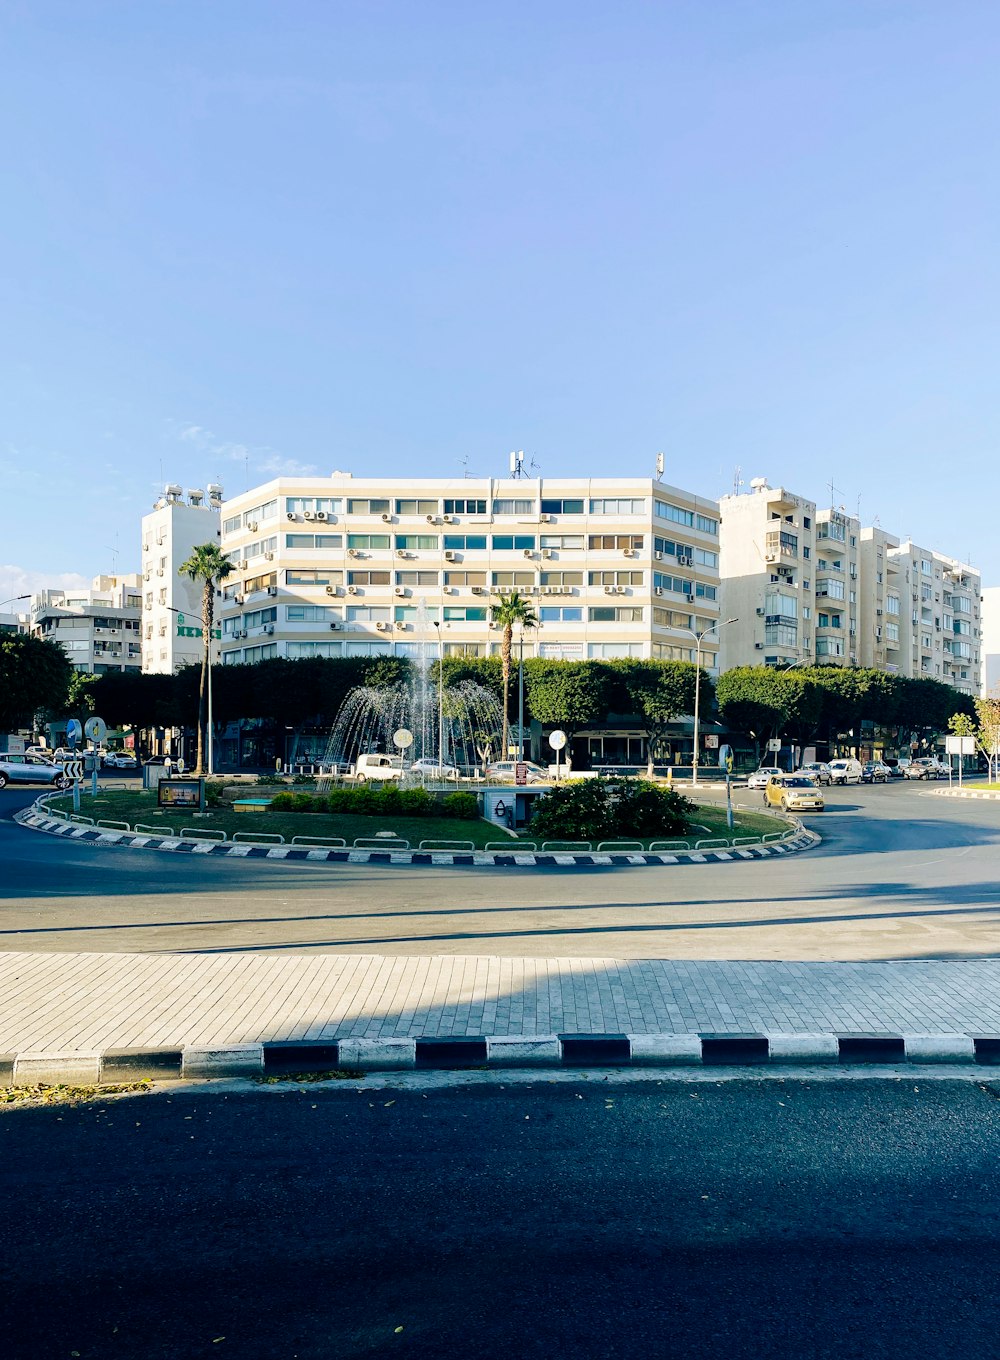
x,y
767,578
883,609
14,623
990,634
98,628
171,603
338,566
940,599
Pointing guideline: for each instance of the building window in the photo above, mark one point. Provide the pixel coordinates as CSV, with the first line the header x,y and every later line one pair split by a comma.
x,y
465,613
615,542
368,578
298,576
364,613
465,507
314,541
518,507
368,507
609,651
296,651
561,578
614,614
507,580
562,542
618,505
513,542
416,507
298,505
422,542
368,542
416,578
465,578
615,578
309,613
563,507
550,614
465,542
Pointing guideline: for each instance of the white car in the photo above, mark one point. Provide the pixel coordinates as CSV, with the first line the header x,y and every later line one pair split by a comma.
x,y
377,766
427,768
846,771
759,778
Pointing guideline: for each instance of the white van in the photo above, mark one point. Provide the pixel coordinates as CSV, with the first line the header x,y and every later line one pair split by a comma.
x,y
375,765
845,771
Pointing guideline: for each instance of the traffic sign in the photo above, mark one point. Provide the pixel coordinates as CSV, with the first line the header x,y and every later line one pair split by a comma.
x,y
725,757
95,729
403,738
73,769
557,739
74,732
520,773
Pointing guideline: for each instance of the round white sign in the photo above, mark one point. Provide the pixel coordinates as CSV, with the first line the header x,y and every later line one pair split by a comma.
x,y
402,737
95,729
557,739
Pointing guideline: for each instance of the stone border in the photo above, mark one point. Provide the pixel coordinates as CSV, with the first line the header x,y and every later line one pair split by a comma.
x,y
965,793
37,819
289,1058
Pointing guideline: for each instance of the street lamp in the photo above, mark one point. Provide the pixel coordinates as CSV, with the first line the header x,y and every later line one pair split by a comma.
x,y
520,694
13,600
440,638
699,638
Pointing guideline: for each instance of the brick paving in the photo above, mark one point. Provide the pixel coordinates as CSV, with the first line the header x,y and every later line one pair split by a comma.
x,y
90,1002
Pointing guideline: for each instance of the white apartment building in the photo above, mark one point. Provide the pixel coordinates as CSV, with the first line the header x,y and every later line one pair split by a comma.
x,y
98,628
767,577
171,603
940,599
344,566
990,633
884,638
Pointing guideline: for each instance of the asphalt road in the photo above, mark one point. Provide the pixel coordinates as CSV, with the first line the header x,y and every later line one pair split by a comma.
x,y
740,1220
900,874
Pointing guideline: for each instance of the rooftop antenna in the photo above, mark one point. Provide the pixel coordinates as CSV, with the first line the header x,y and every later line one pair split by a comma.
x,y
834,491
114,555
533,466
737,479
517,464
660,465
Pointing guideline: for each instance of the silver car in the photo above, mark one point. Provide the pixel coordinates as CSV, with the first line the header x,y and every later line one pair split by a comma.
x,y
24,769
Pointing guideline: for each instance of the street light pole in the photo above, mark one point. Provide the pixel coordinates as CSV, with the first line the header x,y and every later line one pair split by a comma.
x,y
440,638
699,639
520,695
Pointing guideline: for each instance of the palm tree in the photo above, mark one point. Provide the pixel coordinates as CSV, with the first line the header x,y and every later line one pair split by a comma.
x,y
208,565
509,609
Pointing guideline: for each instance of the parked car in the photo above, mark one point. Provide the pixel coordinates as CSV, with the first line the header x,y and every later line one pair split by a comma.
x,y
120,760
817,770
926,767
24,769
759,778
874,772
504,771
377,766
847,771
897,768
427,768
171,763
793,793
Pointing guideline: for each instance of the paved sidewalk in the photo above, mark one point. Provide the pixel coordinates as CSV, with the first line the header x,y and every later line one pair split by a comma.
x,y
71,1003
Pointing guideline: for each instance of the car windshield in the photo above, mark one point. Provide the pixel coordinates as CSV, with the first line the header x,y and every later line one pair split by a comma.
x,y
797,784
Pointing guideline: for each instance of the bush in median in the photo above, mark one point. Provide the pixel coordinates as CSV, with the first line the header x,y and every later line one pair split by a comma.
x,y
608,809
464,805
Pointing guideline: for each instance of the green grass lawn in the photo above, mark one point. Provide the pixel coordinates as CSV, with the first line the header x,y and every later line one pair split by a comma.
x,y
132,806
970,784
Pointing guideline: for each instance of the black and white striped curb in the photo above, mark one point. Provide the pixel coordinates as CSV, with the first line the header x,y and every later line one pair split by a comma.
x,y
477,1053
36,820
965,793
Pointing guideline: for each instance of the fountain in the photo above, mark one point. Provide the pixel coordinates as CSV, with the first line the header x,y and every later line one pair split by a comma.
x,y
463,725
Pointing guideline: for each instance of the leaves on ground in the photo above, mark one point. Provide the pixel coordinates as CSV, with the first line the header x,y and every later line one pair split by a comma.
x,y
68,1095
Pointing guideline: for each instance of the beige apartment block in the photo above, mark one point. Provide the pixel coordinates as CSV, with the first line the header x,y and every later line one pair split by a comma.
x,y
767,570
884,634
345,566
171,603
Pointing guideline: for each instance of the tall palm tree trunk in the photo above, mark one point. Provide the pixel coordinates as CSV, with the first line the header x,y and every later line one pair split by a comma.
x,y
506,647
207,612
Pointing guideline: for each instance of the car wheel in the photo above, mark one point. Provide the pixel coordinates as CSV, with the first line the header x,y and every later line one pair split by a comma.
x,y
3,781
784,804
62,782
361,779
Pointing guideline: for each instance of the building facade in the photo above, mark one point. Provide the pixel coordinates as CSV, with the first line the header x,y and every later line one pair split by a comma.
x,y
171,603
990,633
940,616
344,566
98,628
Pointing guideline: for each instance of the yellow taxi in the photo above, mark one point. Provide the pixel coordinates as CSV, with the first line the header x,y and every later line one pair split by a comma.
x,y
793,793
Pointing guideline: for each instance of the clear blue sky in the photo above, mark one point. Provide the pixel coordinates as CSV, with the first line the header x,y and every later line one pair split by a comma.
x,y
384,236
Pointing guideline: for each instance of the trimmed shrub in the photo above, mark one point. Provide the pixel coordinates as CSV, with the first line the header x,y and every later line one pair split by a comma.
x,y
282,802
610,809
464,805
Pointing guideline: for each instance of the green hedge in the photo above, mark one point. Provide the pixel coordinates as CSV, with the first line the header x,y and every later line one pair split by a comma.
x,y
607,809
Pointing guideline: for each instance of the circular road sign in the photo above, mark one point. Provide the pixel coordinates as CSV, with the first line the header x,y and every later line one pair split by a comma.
x,y
402,737
74,731
95,729
557,739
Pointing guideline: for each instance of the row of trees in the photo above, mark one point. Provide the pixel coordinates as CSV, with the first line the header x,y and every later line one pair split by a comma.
x,y
803,706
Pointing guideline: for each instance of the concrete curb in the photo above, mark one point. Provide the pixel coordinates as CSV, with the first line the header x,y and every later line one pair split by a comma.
x,y
503,1052
965,793
37,819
